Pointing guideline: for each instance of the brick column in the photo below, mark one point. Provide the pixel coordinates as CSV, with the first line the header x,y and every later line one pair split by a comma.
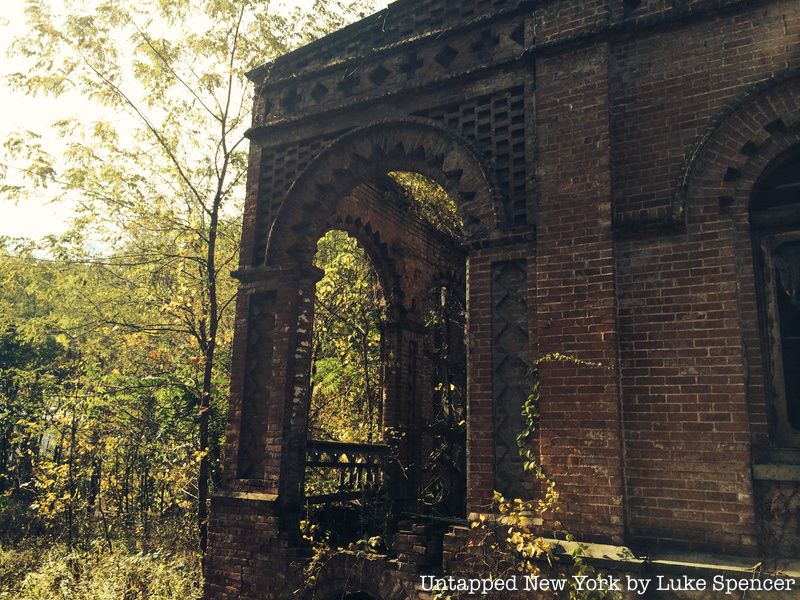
x,y
267,413
254,514
581,437
480,450
403,347
500,334
287,426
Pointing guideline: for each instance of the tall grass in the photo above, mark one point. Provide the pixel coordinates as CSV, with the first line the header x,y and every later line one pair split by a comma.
x,y
54,573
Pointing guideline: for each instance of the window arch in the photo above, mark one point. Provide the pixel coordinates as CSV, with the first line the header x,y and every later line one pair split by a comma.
x,y
775,222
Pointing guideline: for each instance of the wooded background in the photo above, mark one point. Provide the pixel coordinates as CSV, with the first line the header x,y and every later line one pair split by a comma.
x,y
115,337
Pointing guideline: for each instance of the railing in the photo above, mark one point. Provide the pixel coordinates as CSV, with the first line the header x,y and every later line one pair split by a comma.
x,y
339,471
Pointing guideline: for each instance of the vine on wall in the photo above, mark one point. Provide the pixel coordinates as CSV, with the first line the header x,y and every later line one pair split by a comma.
x,y
505,540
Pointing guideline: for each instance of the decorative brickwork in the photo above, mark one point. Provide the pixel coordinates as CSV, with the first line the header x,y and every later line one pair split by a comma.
x,y
603,155
511,382
495,125
365,154
252,444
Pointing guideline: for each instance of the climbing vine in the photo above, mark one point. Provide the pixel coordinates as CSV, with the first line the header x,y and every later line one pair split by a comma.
x,y
504,541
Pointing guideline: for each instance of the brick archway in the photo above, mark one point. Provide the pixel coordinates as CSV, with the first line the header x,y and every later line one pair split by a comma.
x,y
408,254
367,154
346,187
718,177
371,240
739,142
348,576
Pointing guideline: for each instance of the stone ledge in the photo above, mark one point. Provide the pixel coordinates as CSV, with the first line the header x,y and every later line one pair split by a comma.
x,y
776,472
683,563
608,556
253,496
710,564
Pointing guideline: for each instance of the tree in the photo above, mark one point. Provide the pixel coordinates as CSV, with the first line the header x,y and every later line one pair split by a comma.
x,y
96,437
346,378
158,167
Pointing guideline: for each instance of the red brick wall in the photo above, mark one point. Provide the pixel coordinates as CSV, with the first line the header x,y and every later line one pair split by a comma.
x,y
667,85
757,128
686,422
576,303
686,299
634,111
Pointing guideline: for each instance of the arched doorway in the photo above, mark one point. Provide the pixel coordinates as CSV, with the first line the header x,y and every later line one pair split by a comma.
x,y
351,186
346,364
346,456
386,364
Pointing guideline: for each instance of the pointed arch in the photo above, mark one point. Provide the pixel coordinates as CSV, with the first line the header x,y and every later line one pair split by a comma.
x,y
367,154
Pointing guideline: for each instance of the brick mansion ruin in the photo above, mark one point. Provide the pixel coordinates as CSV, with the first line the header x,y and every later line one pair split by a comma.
x,y
628,177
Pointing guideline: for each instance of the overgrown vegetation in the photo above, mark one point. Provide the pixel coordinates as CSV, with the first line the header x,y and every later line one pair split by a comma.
x,y
349,311
31,573
431,202
98,454
115,338
507,539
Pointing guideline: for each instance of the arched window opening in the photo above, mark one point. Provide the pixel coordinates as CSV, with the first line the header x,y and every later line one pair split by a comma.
x,y
345,459
346,372
779,186
775,219
346,379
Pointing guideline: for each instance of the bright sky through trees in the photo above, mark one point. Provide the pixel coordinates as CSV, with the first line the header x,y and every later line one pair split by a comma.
x,y
37,217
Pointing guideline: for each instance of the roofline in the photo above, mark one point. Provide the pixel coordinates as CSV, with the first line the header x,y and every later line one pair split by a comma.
x,y
257,74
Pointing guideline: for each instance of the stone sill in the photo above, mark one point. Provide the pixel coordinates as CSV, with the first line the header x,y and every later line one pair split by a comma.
x,y
684,563
776,472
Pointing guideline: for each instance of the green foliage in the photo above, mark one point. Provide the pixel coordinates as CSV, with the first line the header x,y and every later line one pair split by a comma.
x,y
319,543
15,563
46,574
431,202
346,379
98,420
322,551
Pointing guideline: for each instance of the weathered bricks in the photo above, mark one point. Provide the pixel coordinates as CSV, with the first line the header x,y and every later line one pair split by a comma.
x,y
612,148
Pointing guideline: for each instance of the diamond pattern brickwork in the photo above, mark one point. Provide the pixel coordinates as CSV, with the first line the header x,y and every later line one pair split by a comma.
x,y
400,21
511,379
293,88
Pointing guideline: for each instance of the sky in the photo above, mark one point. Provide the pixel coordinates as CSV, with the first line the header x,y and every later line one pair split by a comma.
x,y
30,218
40,216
